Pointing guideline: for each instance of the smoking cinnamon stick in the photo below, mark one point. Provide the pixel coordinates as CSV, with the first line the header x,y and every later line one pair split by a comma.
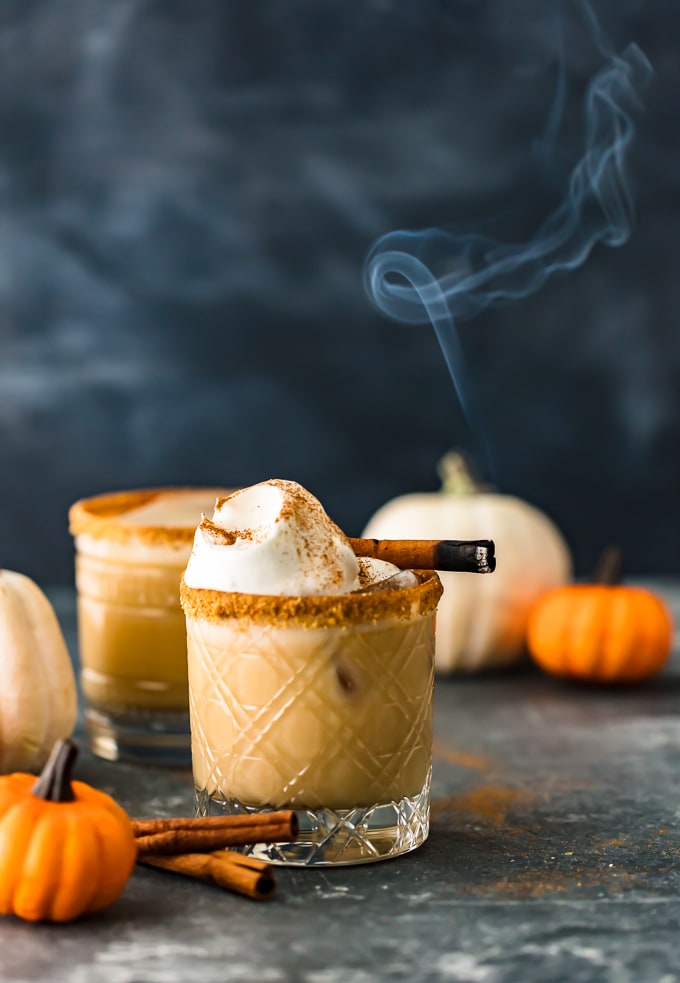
x,y
226,869
208,833
465,555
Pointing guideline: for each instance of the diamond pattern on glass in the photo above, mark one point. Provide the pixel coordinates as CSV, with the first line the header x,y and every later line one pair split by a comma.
x,y
313,742
330,837
326,721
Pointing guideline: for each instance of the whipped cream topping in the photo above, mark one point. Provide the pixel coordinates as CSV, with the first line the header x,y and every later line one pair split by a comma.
x,y
275,538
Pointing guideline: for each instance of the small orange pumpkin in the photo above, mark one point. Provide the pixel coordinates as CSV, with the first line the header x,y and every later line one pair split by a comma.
x,y
65,848
603,632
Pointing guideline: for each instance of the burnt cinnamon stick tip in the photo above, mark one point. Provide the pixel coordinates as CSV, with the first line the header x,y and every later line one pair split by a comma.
x,y
472,556
463,555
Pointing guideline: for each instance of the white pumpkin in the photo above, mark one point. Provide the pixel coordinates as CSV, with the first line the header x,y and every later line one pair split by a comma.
x,y
481,618
38,695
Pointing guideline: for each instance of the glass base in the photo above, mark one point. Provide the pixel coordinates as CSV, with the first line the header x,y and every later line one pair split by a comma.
x,y
148,736
331,837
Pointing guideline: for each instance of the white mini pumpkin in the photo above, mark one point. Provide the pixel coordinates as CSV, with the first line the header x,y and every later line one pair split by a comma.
x,y
481,618
38,695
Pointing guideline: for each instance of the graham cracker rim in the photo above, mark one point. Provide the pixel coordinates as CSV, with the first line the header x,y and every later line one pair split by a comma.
x,y
315,611
98,515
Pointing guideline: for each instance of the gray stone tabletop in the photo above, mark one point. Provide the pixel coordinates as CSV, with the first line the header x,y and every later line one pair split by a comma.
x,y
552,857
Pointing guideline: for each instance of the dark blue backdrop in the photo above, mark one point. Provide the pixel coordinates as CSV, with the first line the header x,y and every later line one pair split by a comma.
x,y
188,192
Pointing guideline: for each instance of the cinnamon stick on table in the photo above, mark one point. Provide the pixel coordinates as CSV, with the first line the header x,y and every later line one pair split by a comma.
x,y
465,555
207,833
224,868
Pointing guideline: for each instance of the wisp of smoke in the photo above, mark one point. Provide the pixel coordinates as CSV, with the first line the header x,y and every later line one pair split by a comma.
x,y
399,273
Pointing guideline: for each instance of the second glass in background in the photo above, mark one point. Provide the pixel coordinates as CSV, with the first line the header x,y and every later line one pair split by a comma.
x,y
131,550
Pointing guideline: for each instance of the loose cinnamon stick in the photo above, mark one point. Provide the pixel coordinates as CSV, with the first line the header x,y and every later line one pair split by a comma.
x,y
465,555
204,834
233,871
150,827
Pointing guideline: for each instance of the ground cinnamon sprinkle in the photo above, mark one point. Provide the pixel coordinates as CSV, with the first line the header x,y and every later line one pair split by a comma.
x,y
222,536
312,611
308,515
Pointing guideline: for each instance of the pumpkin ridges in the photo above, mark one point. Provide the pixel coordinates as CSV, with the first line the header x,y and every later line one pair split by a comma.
x,y
541,620
619,629
41,868
79,868
564,641
16,830
590,618
493,617
57,674
551,623
494,596
101,897
652,649
561,646
461,630
634,652
555,632
584,636
631,647
663,612
605,634
111,842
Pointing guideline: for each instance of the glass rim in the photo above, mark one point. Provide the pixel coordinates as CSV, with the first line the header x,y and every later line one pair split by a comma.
x,y
314,611
98,515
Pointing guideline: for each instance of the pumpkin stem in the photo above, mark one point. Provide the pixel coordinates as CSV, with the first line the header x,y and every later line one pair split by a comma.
x,y
609,567
54,783
457,475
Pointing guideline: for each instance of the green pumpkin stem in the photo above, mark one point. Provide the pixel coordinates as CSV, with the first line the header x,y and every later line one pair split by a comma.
x,y
457,475
609,567
54,784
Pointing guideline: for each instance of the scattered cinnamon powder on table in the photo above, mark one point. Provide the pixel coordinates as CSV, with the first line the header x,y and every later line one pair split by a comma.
x,y
488,803
475,762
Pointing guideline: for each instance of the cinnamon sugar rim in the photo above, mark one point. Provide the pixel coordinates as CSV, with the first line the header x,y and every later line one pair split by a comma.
x,y
399,604
98,516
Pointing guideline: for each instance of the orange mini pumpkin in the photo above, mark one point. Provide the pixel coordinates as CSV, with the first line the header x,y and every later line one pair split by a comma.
x,y
603,632
65,847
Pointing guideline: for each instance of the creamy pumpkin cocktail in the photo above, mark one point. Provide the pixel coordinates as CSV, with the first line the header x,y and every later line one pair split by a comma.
x,y
131,550
310,677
